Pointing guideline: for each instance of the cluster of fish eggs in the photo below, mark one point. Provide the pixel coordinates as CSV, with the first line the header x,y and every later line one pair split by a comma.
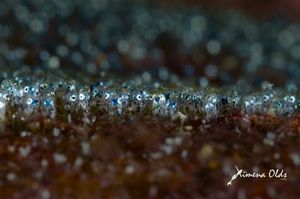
x,y
26,98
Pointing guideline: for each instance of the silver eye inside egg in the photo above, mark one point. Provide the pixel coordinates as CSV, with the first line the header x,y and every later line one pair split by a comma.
x,y
139,97
6,97
81,96
119,100
235,101
29,101
292,99
106,95
266,98
26,89
278,105
162,99
73,98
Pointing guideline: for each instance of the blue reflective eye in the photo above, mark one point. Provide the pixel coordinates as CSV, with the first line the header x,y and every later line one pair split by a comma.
x,y
35,102
114,102
173,105
31,90
224,100
167,95
48,102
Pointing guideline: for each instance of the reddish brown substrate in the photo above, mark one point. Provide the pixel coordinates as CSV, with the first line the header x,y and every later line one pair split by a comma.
x,y
147,158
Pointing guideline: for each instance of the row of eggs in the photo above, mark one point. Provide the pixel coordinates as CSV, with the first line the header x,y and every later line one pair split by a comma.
x,y
46,96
